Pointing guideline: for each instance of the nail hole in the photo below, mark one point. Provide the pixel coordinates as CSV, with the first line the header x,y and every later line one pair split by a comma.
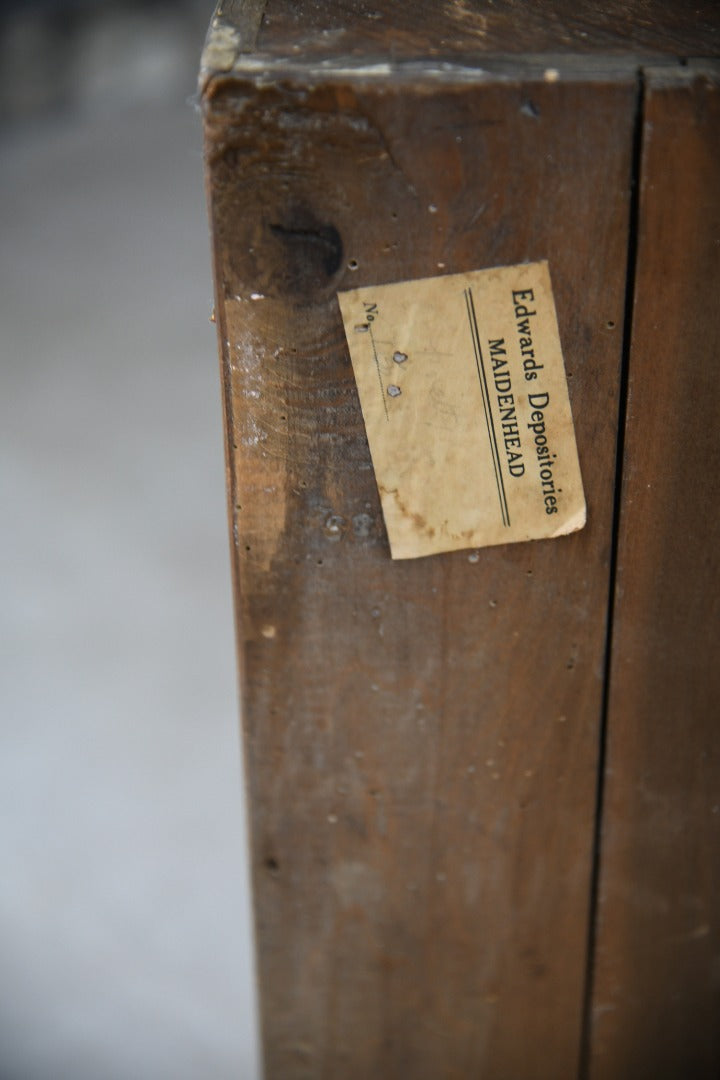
x,y
272,865
353,264
610,324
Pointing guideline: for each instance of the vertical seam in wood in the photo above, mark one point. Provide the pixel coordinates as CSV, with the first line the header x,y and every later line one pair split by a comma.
x,y
631,265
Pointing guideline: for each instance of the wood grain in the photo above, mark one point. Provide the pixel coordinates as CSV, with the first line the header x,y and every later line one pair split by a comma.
x,y
421,738
657,988
463,28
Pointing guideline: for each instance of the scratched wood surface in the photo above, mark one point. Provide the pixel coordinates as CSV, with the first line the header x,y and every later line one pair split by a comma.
x,y
657,989
421,738
393,29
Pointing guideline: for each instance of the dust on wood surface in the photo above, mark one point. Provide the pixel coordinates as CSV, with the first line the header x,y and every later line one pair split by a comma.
x,y
421,737
460,29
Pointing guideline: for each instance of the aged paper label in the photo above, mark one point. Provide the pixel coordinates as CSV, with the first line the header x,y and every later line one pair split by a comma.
x,y
463,390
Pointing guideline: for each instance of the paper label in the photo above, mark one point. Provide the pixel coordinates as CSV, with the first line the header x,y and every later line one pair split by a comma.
x,y
463,391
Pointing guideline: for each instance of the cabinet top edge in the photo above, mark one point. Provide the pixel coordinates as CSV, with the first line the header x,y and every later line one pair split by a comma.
x,y
360,38
221,68
263,70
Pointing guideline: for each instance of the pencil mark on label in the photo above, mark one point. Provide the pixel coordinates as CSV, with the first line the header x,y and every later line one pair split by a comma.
x,y
490,424
371,312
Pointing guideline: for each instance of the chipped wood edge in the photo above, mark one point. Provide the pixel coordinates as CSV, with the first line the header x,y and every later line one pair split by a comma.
x,y
233,31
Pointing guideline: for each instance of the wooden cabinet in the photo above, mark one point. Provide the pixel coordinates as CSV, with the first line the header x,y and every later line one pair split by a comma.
x,y
484,787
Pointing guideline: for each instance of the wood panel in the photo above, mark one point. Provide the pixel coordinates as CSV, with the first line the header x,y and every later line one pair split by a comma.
x,y
421,737
657,989
467,28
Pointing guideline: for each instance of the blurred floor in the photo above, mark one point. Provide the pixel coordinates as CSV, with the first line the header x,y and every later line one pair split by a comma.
x,y
124,912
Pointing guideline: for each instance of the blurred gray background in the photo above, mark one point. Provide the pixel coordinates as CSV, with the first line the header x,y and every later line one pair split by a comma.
x,y
125,947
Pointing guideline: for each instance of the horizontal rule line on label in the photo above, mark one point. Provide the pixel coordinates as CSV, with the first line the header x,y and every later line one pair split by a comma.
x,y
489,422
